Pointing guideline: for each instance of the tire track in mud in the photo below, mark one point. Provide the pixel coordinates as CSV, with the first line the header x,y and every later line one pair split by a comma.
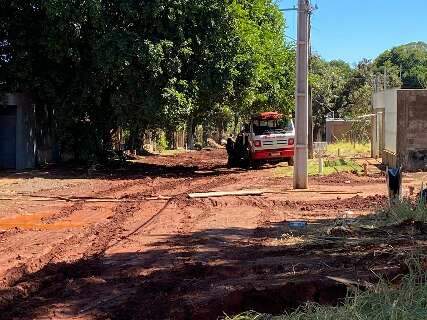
x,y
20,282
54,278
67,211
14,282
180,200
98,229
104,231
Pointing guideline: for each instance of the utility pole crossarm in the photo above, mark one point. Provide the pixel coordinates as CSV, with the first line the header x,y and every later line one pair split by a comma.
x,y
289,9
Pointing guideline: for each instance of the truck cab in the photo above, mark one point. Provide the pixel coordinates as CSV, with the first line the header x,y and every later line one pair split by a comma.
x,y
272,137
268,137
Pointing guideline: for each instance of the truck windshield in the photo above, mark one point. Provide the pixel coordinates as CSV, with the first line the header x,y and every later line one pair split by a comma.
x,y
272,126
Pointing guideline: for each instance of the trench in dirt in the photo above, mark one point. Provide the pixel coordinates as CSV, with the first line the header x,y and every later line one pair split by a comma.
x,y
275,300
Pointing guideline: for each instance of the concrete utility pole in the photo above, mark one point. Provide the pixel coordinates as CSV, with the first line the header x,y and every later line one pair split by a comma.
x,y
310,99
301,130
310,123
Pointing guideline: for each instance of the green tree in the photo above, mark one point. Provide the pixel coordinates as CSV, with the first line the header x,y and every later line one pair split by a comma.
x,y
125,63
264,74
328,81
139,65
406,65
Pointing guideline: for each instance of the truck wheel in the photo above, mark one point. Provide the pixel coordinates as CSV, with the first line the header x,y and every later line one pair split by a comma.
x,y
256,164
245,160
291,162
244,163
232,162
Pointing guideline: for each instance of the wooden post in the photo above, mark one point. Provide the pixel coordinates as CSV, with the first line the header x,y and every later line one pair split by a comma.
x,y
321,165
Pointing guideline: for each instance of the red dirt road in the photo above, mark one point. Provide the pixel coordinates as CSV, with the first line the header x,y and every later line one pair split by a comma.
x,y
105,246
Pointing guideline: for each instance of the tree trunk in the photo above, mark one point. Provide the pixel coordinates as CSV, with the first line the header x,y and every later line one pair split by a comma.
x,y
170,137
220,128
190,133
236,123
316,132
205,136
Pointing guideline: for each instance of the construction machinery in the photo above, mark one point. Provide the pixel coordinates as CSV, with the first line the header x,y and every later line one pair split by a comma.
x,y
268,137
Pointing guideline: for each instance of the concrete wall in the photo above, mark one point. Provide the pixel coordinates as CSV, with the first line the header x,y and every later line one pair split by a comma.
x,y
377,132
386,101
385,127
390,120
339,129
405,127
25,129
412,129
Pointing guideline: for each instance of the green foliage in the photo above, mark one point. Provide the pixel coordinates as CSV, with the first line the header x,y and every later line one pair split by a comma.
x,y
328,81
410,61
405,210
264,74
162,143
338,88
143,64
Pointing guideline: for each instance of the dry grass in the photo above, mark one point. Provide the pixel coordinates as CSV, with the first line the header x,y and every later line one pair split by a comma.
x,y
330,167
348,150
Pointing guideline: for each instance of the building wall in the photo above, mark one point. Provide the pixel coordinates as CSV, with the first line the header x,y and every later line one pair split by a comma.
x,y
385,126
25,130
390,120
405,127
7,136
412,129
339,129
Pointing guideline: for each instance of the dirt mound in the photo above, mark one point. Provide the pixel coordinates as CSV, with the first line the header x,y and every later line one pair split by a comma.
x,y
213,144
349,178
355,203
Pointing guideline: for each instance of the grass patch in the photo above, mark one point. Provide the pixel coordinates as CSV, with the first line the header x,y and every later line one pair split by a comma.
x,y
406,210
384,301
330,167
347,149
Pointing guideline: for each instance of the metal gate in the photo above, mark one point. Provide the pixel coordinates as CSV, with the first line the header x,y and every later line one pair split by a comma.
x,y
7,137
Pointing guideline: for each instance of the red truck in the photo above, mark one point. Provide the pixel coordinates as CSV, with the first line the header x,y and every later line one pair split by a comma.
x,y
268,137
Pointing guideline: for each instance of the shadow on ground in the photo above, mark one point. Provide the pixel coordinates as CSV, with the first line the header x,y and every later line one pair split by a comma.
x,y
130,170
203,274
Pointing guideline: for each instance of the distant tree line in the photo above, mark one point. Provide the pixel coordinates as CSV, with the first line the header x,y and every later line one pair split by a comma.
x,y
346,91
141,65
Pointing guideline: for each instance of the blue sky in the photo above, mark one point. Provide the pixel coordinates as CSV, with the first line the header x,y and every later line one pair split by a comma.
x,y
354,29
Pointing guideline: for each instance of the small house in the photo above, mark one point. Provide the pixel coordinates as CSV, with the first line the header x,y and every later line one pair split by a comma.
x,y
400,128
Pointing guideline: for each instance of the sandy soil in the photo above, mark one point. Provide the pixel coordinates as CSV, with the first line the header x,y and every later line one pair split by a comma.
x,y
130,244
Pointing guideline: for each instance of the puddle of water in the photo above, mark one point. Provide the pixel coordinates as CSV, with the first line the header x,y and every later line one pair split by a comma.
x,y
34,221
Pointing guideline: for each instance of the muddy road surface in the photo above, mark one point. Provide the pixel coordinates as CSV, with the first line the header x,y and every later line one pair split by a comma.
x,y
130,244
